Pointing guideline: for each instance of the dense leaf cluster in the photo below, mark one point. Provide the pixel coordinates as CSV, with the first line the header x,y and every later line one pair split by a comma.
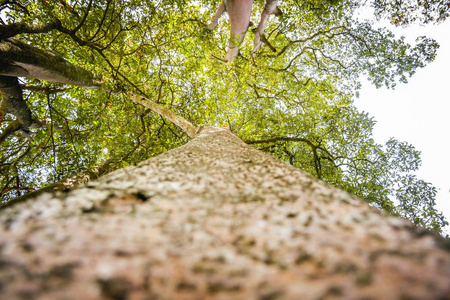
x,y
293,99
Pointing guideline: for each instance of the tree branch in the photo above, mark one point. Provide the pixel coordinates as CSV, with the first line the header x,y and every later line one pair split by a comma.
x,y
22,60
45,89
318,33
17,188
10,30
317,164
181,122
12,127
280,139
100,25
13,102
83,19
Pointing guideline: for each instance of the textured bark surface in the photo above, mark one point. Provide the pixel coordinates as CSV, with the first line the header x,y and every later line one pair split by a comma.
x,y
18,59
214,219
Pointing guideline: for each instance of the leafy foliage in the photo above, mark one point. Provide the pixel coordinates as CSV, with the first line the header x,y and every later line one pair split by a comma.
x,y
293,99
403,12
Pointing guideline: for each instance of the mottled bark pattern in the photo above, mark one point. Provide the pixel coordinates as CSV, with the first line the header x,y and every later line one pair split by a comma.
x,y
214,219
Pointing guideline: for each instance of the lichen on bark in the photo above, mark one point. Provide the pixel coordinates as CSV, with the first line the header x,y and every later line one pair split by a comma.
x,y
214,219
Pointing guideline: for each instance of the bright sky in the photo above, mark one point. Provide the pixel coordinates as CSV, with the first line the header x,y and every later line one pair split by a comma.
x,y
419,112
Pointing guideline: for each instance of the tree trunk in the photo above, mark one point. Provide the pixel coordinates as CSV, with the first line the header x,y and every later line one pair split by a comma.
x,y
214,219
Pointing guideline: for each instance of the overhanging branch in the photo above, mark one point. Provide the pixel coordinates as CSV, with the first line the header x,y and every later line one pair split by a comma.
x,y
10,30
18,59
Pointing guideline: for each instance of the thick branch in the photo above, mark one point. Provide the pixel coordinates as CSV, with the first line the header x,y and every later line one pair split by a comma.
x,y
20,59
46,89
181,122
10,30
12,127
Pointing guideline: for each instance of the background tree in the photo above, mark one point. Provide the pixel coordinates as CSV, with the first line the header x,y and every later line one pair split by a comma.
x,y
293,99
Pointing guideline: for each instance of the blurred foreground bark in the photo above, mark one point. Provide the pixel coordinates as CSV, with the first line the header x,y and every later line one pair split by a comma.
x,y
214,219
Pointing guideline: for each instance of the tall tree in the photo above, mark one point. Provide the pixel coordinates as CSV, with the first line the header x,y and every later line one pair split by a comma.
x,y
292,99
214,218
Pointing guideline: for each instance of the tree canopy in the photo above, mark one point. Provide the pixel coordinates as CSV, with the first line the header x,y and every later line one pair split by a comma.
x,y
292,99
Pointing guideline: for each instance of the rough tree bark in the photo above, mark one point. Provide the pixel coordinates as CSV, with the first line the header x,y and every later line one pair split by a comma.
x,y
214,219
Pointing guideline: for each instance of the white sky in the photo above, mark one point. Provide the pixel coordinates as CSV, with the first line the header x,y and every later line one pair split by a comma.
x,y
418,112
